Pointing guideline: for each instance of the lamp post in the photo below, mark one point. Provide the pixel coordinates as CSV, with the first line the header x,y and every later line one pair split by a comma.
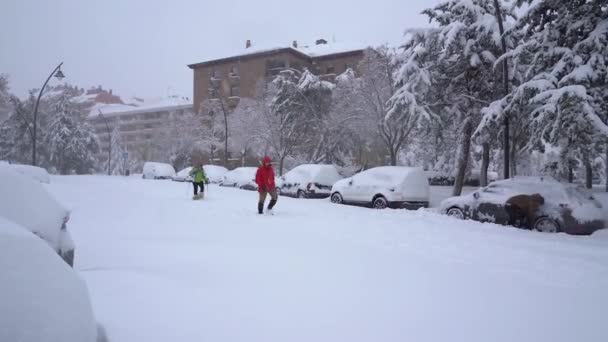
x,y
59,75
105,120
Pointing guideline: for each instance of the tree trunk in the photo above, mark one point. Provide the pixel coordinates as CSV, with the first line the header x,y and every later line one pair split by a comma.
x,y
588,174
485,163
570,174
606,168
463,160
505,83
393,155
281,161
512,159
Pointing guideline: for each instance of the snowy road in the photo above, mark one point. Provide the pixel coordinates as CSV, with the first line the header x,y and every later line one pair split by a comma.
x,y
161,267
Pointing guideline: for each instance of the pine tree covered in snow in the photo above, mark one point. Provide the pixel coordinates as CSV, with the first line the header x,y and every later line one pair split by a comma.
x,y
561,63
70,142
468,43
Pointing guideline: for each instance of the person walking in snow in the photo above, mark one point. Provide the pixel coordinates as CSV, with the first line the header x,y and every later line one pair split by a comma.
x,y
198,181
264,178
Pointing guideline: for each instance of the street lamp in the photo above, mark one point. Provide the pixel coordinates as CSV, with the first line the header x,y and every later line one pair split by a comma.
x,y
59,75
105,120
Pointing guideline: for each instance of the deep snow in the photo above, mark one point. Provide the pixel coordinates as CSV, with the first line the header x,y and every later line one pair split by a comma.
x,y
162,267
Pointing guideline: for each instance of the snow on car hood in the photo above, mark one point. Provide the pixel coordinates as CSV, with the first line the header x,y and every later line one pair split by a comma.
x,y
42,298
27,203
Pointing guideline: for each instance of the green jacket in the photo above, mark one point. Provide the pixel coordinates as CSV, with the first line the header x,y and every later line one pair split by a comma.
x,y
198,175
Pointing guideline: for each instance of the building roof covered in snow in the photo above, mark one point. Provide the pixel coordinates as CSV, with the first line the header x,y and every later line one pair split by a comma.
x,y
318,50
141,106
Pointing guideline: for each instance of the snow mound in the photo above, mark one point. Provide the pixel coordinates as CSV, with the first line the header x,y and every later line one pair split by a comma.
x,y
42,298
34,172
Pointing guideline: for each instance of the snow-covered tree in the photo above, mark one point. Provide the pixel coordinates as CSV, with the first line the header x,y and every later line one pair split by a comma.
x,y
467,43
562,57
69,141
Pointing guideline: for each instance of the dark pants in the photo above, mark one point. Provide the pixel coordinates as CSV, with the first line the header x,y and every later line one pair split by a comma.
x,y
273,200
196,186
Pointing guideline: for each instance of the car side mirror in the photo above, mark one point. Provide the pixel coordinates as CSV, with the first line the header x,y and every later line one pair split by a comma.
x,y
476,195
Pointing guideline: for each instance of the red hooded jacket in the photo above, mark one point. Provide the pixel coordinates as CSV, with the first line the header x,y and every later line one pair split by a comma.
x,y
264,177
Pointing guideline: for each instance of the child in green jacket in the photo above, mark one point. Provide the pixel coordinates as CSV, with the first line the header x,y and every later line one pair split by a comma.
x,y
198,181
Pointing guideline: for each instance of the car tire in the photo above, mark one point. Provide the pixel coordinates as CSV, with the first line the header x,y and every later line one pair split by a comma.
x,y
546,225
301,194
380,203
336,198
456,212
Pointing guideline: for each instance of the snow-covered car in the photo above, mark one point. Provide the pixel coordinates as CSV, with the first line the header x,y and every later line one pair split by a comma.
x,y
384,186
34,172
241,177
215,173
309,181
566,208
42,298
26,202
153,170
183,175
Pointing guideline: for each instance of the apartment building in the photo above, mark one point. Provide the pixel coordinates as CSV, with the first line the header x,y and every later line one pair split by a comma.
x,y
140,128
237,76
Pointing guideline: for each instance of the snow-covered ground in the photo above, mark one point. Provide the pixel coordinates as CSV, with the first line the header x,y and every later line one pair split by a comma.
x,y
161,267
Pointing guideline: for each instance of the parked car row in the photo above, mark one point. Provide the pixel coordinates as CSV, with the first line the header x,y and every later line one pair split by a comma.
x,y
154,170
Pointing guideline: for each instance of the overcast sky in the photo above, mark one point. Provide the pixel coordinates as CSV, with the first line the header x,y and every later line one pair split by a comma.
x,y
142,47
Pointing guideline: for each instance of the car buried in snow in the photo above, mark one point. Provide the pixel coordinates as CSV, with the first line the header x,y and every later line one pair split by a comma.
x,y
153,170
566,208
384,187
241,177
308,181
27,203
42,298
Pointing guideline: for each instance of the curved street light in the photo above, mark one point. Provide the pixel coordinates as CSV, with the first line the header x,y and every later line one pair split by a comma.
x,y
59,75
105,120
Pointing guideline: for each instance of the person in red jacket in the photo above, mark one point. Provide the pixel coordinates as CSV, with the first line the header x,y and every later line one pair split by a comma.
x,y
264,178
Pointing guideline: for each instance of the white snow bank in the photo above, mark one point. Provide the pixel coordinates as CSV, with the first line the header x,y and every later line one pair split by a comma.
x,y
27,203
34,172
42,298
215,173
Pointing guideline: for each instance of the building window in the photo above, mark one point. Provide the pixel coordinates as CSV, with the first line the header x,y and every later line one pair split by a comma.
x,y
215,74
330,70
275,66
235,91
234,71
213,93
347,66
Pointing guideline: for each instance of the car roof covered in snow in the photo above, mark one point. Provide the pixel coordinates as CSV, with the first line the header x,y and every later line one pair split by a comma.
x,y
27,202
159,169
390,175
42,297
215,173
325,174
34,172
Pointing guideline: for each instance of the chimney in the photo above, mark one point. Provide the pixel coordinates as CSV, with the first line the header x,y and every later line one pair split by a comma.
x,y
247,44
321,41
295,44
